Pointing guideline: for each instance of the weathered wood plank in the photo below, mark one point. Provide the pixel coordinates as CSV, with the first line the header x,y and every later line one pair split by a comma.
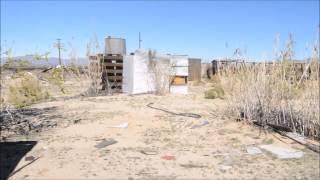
x,y
114,71
115,77
113,57
112,64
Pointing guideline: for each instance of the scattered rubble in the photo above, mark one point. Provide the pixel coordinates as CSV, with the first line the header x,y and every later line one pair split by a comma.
x,y
105,143
27,120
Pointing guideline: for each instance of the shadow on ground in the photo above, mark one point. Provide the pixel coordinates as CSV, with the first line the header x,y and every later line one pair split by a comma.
x,y
10,155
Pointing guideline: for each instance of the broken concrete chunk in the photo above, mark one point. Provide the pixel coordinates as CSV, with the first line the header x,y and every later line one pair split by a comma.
x,y
105,143
282,153
253,150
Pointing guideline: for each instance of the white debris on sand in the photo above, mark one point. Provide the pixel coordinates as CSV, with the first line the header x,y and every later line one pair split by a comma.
x,y
202,123
282,153
253,150
122,125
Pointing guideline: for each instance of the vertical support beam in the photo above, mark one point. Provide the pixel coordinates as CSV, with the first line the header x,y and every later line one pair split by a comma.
x,y
214,67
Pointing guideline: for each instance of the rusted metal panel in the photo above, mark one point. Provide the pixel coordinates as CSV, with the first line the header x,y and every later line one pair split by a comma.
x,y
194,69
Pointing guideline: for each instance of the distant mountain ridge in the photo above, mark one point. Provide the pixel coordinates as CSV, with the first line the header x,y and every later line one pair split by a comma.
x,y
50,61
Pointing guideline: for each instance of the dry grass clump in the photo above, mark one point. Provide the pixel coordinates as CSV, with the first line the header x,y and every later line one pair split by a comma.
x,y
278,93
216,91
26,90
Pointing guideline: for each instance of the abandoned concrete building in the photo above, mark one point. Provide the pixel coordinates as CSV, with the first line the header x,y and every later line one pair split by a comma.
x,y
141,71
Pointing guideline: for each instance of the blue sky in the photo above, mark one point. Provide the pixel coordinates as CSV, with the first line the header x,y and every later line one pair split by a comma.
x,y
206,29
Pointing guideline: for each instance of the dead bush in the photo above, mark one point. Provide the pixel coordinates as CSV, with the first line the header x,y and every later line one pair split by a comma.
x,y
162,72
57,79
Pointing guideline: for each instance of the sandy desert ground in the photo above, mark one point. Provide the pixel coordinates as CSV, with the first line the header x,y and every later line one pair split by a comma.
x,y
156,144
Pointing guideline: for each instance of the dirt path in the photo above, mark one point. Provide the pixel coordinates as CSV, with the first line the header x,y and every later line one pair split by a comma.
x,y
215,150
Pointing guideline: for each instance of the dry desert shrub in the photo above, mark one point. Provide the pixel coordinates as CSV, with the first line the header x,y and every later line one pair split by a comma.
x,y
279,93
56,78
216,90
213,93
26,90
162,72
